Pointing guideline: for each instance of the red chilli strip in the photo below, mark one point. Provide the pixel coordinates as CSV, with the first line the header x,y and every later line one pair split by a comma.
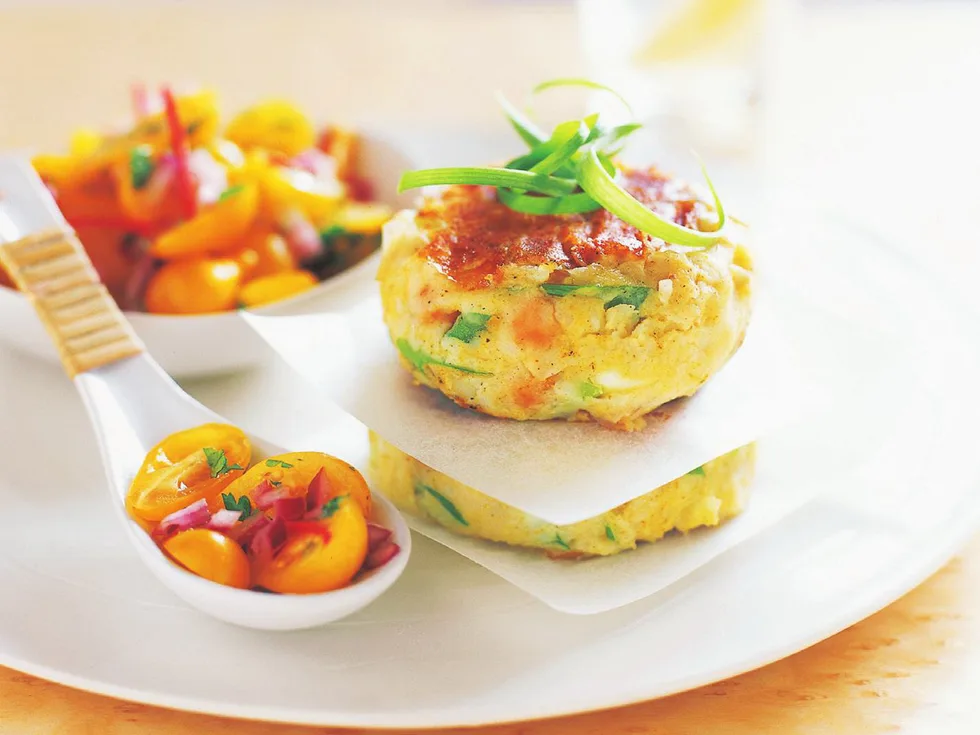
x,y
179,144
289,509
381,555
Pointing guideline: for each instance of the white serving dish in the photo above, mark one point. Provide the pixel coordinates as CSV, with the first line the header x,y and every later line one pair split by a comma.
x,y
451,644
188,346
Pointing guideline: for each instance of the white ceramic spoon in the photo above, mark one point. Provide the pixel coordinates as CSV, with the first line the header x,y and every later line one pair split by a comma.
x,y
133,404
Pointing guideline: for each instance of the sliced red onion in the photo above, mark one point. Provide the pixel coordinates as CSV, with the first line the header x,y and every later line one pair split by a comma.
x,y
137,281
301,236
244,532
377,535
194,515
268,540
318,491
266,494
289,509
315,162
387,551
224,520
212,178
161,180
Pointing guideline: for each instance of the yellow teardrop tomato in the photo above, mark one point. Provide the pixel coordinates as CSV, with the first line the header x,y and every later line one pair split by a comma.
x,y
216,228
318,556
84,142
363,218
211,555
269,289
264,253
275,125
178,471
287,188
194,286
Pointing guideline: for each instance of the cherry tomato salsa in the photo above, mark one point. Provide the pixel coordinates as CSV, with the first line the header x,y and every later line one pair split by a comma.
x,y
296,523
184,214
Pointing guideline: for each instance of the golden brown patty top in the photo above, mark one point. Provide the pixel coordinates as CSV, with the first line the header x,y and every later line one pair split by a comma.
x,y
472,236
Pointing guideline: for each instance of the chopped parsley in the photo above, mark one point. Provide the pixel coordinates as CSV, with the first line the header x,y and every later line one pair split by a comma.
x,y
218,462
588,389
559,541
331,233
445,503
468,325
230,191
277,463
611,295
242,504
609,533
419,359
697,471
331,506
141,166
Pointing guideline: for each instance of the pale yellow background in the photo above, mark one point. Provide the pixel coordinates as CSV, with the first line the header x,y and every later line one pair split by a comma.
x,y
871,110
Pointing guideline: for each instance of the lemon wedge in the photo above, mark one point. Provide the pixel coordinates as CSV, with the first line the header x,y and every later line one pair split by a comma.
x,y
696,27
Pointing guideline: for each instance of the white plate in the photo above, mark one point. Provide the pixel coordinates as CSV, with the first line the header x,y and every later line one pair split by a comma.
x,y
186,346
451,644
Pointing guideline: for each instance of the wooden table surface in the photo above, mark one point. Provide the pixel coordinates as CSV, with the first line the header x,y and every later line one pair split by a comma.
x,y
912,668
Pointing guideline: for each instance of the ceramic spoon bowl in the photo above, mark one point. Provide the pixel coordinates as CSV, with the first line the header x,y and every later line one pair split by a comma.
x,y
133,404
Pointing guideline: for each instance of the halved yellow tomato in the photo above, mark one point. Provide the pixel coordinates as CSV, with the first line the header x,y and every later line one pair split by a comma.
x,y
185,467
211,555
275,125
264,253
318,556
292,474
219,227
194,286
279,286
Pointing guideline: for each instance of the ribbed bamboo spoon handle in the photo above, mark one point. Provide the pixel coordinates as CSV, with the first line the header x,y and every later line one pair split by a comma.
x,y
53,270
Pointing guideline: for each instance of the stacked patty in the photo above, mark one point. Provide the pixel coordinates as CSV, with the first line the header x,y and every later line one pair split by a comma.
x,y
572,316
576,317
706,496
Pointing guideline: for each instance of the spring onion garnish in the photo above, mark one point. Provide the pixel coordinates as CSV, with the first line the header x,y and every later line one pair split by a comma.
x,y
420,359
571,204
445,502
611,295
525,128
602,187
487,176
580,82
468,326
570,172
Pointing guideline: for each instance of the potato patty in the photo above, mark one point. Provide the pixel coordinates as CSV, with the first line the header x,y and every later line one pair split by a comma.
x,y
705,497
562,316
